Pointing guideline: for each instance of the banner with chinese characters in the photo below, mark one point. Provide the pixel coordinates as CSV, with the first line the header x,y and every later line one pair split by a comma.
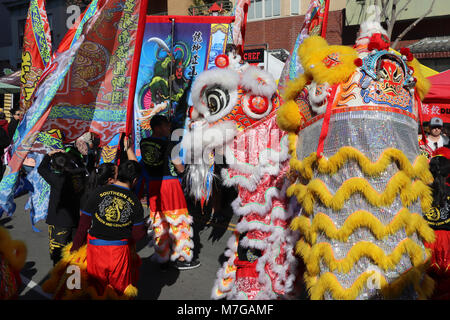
x,y
94,94
86,87
441,110
36,51
175,49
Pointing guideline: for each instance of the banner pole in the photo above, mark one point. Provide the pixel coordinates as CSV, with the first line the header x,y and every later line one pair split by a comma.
x,y
135,66
171,67
325,20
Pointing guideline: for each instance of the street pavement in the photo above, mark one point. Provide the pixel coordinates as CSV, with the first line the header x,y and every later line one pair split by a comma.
x,y
210,238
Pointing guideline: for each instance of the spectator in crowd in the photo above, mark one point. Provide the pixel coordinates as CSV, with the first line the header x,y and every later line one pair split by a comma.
x,y
438,217
436,139
4,139
16,117
66,181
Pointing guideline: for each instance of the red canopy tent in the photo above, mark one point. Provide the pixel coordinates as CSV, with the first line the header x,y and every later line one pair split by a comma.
x,y
437,101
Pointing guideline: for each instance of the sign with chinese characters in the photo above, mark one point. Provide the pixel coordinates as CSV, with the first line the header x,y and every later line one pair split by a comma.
x,y
440,110
175,49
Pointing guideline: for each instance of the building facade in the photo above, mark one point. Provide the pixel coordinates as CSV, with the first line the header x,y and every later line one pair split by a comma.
x,y
273,24
278,22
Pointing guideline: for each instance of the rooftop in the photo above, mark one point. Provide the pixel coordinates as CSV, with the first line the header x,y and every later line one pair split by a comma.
x,y
431,44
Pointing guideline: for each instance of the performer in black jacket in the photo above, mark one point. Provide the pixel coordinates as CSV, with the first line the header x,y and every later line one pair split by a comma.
x,y
66,187
439,219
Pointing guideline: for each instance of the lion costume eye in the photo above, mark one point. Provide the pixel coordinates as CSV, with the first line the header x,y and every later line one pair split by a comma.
x,y
217,99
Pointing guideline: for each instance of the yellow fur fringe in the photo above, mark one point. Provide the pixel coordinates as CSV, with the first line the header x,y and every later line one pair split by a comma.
x,y
317,286
312,52
309,45
400,183
294,87
324,252
328,282
420,168
13,251
423,85
315,49
363,219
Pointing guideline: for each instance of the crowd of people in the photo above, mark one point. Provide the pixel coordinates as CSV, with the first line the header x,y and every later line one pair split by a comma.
x,y
97,205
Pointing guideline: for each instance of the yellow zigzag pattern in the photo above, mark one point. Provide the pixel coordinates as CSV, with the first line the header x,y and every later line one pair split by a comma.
x,y
345,154
323,251
400,183
329,282
359,219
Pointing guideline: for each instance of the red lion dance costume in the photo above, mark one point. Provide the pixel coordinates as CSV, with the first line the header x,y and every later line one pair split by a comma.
x,y
234,119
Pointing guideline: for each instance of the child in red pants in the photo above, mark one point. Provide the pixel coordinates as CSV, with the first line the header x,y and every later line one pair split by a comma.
x,y
115,219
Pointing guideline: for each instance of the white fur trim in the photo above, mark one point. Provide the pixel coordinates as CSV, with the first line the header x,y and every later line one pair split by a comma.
x,y
180,219
269,163
370,26
250,82
226,78
260,208
204,137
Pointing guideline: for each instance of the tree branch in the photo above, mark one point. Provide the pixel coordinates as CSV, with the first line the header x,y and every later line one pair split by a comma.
x,y
402,9
383,8
394,45
392,20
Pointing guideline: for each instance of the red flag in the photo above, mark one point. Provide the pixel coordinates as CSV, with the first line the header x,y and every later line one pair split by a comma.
x,y
36,52
95,93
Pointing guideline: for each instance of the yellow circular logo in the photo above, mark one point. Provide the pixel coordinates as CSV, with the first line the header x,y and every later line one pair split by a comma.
x,y
434,214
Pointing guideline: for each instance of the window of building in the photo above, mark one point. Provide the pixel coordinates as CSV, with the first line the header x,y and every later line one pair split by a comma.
x,y
21,32
295,6
260,9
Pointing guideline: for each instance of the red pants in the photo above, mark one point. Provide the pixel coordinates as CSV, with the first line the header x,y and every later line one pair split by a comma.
x,y
111,263
440,264
171,221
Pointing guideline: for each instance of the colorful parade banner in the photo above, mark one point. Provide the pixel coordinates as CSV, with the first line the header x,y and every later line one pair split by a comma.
x,y
36,52
314,24
85,88
175,49
94,94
